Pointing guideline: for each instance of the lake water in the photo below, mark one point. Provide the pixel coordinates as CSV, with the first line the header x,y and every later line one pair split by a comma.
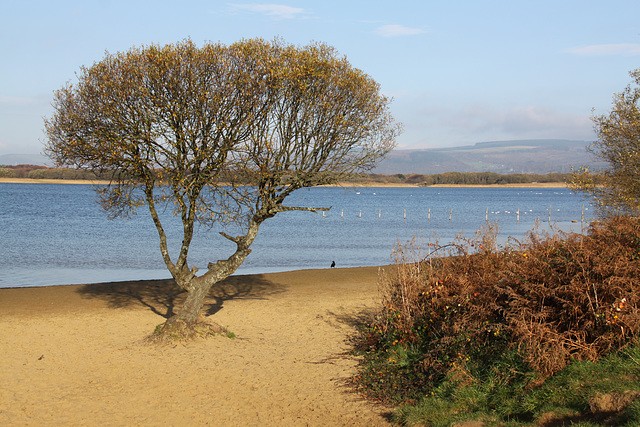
x,y
56,234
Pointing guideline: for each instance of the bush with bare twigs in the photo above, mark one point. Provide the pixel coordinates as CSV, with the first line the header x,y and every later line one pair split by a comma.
x,y
518,313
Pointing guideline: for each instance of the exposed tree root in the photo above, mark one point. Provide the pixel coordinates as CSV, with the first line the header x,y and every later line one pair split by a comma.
x,y
175,329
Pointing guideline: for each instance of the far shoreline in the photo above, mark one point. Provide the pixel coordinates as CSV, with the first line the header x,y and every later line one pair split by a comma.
x,y
51,181
341,184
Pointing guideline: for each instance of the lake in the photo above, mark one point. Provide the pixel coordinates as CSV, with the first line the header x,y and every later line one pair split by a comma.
x,y
56,234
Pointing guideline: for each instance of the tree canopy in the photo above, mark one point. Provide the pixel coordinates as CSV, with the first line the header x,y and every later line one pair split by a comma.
x,y
616,188
221,134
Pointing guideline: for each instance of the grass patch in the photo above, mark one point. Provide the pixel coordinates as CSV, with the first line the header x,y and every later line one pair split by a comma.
x,y
584,393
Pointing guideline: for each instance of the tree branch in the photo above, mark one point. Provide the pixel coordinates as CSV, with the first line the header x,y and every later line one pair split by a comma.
x,y
235,240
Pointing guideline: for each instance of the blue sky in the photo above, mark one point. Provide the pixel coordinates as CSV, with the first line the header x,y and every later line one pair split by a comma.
x,y
460,72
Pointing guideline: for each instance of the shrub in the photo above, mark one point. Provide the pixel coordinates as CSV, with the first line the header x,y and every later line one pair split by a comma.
x,y
7,173
63,173
516,314
18,171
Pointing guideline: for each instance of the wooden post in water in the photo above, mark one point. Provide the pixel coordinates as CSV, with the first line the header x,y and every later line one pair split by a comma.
x,y
342,213
429,215
486,215
360,214
405,214
380,214
518,215
450,214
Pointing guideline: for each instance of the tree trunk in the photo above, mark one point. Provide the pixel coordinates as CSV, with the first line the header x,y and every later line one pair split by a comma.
x,y
196,293
186,323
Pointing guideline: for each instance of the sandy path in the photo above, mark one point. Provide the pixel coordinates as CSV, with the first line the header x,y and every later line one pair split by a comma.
x,y
75,355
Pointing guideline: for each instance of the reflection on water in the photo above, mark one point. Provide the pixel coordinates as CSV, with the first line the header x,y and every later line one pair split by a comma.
x,y
57,234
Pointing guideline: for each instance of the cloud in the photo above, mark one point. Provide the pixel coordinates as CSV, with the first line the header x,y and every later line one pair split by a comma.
x,y
520,123
536,119
280,11
621,49
397,31
16,101
429,125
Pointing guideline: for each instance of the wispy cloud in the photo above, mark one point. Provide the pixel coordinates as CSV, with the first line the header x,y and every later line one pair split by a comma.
x,y
620,49
15,100
280,11
397,31
485,122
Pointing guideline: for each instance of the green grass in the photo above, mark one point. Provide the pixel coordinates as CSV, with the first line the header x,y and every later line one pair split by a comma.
x,y
563,399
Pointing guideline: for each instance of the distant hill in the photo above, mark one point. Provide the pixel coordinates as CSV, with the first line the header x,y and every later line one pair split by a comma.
x,y
537,156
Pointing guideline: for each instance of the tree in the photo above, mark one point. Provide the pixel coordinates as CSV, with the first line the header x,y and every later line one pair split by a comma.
x,y
616,188
222,134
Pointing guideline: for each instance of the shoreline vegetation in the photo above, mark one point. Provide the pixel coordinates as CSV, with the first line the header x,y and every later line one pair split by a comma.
x,y
31,174
341,184
543,332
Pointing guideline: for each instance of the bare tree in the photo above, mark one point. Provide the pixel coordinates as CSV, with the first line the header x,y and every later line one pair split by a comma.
x,y
221,134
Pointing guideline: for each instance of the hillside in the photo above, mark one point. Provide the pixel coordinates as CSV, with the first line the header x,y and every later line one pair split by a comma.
x,y
505,157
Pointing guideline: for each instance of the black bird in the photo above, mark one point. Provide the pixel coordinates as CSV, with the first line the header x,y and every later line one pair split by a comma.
x,y
333,264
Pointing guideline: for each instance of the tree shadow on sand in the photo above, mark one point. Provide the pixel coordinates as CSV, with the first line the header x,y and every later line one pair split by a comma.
x,y
356,319
163,296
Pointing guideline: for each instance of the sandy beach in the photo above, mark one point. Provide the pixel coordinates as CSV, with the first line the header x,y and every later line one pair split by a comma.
x,y
77,355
